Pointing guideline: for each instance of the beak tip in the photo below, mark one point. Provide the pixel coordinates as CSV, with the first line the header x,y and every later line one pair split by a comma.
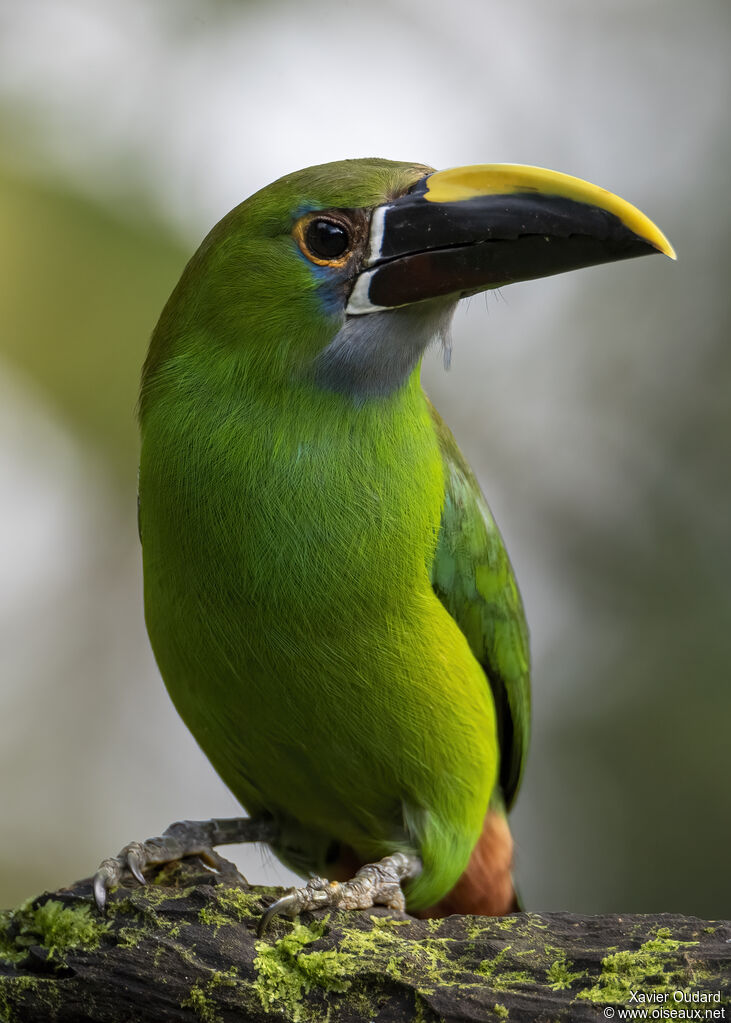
x,y
653,236
662,245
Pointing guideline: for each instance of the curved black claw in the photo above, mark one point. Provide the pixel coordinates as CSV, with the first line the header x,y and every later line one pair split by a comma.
x,y
288,905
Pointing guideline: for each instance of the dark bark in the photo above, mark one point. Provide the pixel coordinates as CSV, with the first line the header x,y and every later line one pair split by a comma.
x,y
184,948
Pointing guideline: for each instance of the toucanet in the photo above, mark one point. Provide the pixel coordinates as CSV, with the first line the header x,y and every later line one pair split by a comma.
x,y
326,592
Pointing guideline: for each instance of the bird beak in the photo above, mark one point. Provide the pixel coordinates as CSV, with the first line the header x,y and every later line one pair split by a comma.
x,y
461,231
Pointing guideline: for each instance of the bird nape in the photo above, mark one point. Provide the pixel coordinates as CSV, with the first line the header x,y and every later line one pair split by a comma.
x,y
327,595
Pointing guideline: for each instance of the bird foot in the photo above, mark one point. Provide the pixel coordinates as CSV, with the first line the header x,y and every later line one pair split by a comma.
x,y
184,838
375,884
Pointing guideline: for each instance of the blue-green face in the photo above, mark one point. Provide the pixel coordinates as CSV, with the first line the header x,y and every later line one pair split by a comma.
x,y
310,229
344,272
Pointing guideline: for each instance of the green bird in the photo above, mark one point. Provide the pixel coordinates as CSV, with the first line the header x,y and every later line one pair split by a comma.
x,y
328,597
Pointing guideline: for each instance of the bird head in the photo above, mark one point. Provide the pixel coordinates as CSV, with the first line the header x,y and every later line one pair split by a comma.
x,y
340,275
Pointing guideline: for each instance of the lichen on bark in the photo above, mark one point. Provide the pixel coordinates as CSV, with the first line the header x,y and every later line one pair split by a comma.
x,y
184,948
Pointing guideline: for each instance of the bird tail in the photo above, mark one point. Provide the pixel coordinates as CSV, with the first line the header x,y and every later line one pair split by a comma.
x,y
486,887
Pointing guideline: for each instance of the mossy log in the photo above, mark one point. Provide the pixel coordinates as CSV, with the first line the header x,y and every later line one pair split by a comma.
x,y
184,948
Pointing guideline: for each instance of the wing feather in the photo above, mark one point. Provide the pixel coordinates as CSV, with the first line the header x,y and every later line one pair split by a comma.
x,y
473,578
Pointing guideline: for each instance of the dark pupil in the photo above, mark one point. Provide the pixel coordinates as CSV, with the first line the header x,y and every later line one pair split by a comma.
x,y
326,239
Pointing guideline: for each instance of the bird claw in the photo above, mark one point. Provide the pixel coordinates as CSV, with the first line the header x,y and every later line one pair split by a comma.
x,y
133,858
183,838
318,893
375,884
105,877
286,906
136,860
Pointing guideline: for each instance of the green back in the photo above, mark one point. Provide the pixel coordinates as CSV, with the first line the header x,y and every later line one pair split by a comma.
x,y
472,576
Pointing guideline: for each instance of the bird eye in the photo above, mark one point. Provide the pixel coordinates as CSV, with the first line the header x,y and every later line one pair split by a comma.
x,y
326,239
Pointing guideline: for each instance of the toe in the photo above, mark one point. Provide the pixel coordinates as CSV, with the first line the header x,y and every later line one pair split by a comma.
x,y
134,855
106,876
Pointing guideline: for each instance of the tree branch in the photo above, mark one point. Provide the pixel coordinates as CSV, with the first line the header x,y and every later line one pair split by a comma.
x,y
184,948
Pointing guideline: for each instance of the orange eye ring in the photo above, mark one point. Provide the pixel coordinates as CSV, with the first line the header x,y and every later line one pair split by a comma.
x,y
326,239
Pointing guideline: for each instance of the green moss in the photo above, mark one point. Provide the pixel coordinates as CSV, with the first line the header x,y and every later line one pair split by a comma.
x,y
146,899
484,926
429,963
44,992
653,968
53,926
145,905
501,1011
393,968
130,937
156,895
419,1016
426,961
501,979
167,927
213,917
285,971
474,929
379,943
199,999
505,923
232,905
201,1005
325,969
165,883
242,903
9,951
63,927
388,922
559,974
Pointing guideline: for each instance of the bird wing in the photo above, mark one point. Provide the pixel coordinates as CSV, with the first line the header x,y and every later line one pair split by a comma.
x,y
473,578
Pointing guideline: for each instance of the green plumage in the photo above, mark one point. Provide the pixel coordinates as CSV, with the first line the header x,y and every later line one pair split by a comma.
x,y
328,598
473,578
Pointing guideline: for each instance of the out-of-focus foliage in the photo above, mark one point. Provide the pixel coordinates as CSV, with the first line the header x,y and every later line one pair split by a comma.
x,y
79,296
596,408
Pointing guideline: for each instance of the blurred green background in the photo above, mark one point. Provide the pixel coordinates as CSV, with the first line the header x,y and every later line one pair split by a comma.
x,y
595,407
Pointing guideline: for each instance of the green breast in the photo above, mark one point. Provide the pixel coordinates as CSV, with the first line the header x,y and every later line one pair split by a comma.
x,y
287,596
